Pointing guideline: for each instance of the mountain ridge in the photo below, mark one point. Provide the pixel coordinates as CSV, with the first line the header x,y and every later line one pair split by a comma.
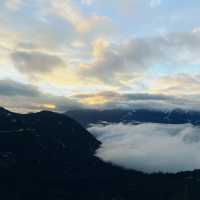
x,y
176,116
50,156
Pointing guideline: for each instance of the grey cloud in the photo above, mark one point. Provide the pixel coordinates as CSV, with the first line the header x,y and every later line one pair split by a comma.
x,y
137,55
115,96
25,97
32,63
182,83
149,147
18,95
11,88
143,101
148,97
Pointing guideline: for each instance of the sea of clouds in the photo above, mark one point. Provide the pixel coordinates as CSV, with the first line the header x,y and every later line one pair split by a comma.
x,y
149,147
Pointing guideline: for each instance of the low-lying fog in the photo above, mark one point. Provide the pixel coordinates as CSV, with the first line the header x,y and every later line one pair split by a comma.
x,y
150,147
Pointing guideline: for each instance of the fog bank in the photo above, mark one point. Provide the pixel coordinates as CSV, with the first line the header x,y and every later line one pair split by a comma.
x,y
150,147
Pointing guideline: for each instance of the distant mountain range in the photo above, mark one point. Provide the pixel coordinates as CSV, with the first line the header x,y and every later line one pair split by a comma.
x,y
177,116
49,156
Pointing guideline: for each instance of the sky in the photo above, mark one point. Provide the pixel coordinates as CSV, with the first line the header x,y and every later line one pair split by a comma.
x,y
68,54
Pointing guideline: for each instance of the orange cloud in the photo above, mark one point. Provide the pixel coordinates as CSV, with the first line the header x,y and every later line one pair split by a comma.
x,y
94,100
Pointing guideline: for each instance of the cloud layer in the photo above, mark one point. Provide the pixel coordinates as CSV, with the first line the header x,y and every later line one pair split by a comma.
x,y
110,100
138,55
22,97
100,52
150,147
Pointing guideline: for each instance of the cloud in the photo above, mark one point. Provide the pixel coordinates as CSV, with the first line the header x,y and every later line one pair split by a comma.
x,y
87,2
33,63
69,12
113,100
118,97
98,57
196,30
13,4
149,147
99,46
177,84
140,54
22,97
11,88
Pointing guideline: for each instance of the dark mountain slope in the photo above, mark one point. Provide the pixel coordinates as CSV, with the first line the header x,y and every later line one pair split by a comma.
x,y
177,116
50,156
42,147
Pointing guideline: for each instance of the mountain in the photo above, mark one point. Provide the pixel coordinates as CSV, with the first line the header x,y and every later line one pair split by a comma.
x,y
176,116
50,156
42,147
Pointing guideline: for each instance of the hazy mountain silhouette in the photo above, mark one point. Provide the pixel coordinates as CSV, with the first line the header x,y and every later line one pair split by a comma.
x,y
176,116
